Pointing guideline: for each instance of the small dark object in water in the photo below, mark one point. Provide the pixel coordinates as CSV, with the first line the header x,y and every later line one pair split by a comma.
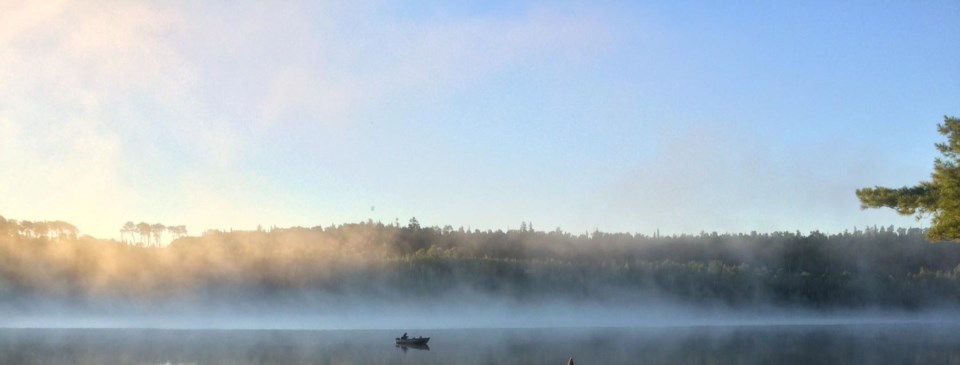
x,y
570,362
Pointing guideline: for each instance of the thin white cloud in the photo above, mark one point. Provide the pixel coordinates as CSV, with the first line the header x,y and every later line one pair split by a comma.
x,y
351,72
111,110
68,71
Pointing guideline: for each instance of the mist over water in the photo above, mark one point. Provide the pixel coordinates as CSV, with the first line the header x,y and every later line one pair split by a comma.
x,y
836,344
466,313
375,276
341,294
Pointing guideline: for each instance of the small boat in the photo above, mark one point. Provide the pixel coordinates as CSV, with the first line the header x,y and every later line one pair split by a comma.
x,y
412,340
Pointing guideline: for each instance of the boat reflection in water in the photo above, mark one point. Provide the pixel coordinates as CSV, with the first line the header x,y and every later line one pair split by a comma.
x,y
405,347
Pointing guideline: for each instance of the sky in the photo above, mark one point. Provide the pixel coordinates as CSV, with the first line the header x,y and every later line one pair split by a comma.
x,y
625,116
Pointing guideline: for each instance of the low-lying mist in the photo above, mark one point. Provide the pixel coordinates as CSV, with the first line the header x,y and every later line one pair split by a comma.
x,y
449,312
370,275
784,345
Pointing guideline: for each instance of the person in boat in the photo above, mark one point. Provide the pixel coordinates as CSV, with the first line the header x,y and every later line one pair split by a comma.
x,y
404,337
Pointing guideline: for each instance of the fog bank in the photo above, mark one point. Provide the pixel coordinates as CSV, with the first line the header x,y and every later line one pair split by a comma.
x,y
371,275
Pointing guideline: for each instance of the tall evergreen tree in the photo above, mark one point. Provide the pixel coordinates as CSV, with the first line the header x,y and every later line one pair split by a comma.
x,y
939,197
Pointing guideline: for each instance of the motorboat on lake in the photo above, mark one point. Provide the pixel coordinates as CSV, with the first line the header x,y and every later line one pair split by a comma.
x,y
412,341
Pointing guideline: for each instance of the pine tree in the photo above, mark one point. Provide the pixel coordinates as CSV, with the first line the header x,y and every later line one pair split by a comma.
x,y
939,197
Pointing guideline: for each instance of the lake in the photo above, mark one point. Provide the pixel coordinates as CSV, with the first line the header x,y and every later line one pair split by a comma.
x,y
795,344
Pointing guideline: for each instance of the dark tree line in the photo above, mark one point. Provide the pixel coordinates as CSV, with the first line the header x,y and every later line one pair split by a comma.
x,y
882,267
38,229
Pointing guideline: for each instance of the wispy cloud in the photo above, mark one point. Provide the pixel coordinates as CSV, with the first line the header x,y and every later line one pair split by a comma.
x,y
108,108
348,71
87,90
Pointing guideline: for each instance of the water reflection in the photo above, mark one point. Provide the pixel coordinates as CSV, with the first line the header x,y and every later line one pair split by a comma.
x,y
899,344
406,347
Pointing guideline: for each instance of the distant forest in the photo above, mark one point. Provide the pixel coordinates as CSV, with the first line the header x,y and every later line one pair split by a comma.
x,y
886,267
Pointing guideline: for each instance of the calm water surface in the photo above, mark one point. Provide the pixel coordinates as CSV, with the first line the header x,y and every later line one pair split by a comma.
x,y
846,344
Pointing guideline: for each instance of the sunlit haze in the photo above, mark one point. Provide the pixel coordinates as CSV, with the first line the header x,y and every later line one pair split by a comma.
x,y
619,116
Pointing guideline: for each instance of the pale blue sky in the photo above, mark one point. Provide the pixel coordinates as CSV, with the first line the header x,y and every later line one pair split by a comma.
x,y
621,116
